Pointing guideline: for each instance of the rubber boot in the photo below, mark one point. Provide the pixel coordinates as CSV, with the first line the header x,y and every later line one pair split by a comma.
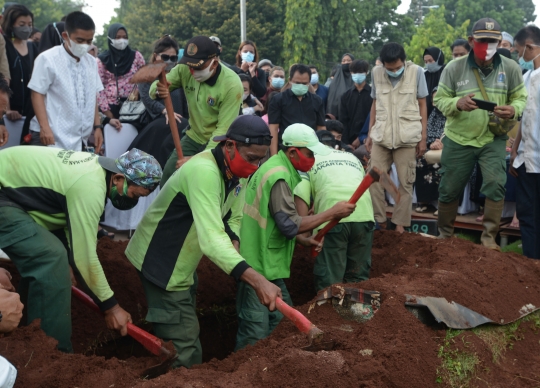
x,y
492,218
446,218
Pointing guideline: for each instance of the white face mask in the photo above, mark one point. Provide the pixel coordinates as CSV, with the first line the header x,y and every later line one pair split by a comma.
x,y
491,50
77,49
245,96
119,44
204,74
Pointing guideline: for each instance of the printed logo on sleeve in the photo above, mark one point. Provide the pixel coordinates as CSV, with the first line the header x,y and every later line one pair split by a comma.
x,y
462,83
237,190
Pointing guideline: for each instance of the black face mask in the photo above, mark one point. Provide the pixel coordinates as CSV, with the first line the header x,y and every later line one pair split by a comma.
x,y
345,67
122,202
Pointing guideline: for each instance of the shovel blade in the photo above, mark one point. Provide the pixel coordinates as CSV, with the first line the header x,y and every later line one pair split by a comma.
x,y
317,347
159,369
148,73
387,184
316,341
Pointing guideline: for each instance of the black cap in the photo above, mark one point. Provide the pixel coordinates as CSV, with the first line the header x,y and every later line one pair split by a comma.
x,y
247,129
327,138
486,28
198,50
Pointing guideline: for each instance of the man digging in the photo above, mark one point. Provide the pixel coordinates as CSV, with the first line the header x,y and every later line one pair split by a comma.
x,y
48,196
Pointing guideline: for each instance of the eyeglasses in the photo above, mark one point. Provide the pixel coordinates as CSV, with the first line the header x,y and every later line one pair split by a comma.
x,y
167,57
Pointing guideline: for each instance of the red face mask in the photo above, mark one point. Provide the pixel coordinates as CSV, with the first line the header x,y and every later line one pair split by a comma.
x,y
304,164
239,166
484,51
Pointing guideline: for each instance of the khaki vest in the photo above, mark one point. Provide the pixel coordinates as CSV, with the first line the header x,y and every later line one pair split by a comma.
x,y
398,123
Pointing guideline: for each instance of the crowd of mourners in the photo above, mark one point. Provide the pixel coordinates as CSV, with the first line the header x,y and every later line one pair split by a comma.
x,y
269,155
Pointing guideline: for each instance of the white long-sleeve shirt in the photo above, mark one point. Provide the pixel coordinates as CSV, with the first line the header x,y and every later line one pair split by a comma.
x,y
71,88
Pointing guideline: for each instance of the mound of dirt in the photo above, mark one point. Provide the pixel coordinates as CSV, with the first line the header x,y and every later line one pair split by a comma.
x,y
393,349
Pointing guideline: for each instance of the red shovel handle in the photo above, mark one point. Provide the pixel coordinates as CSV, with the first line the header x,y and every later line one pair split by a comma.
x,y
370,177
150,342
301,322
172,120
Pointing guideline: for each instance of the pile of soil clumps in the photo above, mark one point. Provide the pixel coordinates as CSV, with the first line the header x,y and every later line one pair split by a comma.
x,y
393,349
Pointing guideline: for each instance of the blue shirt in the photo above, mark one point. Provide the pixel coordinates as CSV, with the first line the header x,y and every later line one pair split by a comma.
x,y
322,92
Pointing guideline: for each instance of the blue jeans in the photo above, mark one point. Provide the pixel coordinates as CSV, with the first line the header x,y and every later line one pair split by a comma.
x,y
528,211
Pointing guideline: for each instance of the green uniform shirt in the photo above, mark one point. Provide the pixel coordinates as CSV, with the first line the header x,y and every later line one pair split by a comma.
x,y
213,105
61,189
504,86
263,245
332,179
196,213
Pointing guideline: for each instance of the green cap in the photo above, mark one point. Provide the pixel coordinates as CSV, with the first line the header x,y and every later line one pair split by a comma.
x,y
302,136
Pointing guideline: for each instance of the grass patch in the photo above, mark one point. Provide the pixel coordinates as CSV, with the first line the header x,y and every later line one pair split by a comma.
x,y
499,338
469,236
514,247
457,367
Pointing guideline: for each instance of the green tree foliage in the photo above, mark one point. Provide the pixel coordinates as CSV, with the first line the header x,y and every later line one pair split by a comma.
x,y
285,31
511,14
434,31
189,18
50,11
321,31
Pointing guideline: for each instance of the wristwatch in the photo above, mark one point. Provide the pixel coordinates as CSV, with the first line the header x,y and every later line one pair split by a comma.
x,y
98,126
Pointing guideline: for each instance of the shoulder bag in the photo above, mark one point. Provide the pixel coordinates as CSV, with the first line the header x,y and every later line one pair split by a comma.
x,y
497,126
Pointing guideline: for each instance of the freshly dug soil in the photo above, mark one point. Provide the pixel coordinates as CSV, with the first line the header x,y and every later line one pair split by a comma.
x,y
393,349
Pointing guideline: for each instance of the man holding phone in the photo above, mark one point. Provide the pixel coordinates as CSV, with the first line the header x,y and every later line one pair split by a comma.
x,y
468,136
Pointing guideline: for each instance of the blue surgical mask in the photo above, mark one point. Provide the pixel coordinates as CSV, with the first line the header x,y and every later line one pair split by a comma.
x,y
359,78
299,89
314,79
527,65
395,73
433,67
248,57
277,83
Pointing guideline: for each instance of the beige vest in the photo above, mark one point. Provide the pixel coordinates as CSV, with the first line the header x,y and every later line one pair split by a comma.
x,y
398,123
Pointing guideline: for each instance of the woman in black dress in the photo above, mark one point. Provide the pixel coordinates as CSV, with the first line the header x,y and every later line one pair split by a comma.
x,y
17,25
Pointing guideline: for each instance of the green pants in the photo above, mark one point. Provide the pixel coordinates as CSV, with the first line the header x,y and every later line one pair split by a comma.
x,y
173,318
458,162
255,321
189,148
346,255
42,261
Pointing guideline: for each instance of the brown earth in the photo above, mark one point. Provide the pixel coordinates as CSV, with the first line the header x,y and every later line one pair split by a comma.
x,y
404,351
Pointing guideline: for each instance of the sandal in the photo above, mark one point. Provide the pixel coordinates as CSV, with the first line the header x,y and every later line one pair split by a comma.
x,y
102,232
421,209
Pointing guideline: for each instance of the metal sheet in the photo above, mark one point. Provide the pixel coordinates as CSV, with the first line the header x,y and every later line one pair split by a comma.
x,y
456,316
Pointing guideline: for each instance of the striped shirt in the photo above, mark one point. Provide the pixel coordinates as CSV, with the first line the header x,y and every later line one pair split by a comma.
x,y
529,148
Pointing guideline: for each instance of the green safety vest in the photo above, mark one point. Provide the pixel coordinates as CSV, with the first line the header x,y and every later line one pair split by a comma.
x,y
262,244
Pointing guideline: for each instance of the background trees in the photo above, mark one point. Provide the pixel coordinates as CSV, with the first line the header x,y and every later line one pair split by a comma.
x,y
50,11
314,31
434,31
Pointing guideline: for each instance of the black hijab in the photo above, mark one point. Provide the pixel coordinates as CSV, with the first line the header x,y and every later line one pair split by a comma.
x,y
51,36
116,61
340,84
432,79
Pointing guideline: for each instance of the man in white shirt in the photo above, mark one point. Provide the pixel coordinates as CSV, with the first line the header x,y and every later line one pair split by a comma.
x,y
64,85
525,159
